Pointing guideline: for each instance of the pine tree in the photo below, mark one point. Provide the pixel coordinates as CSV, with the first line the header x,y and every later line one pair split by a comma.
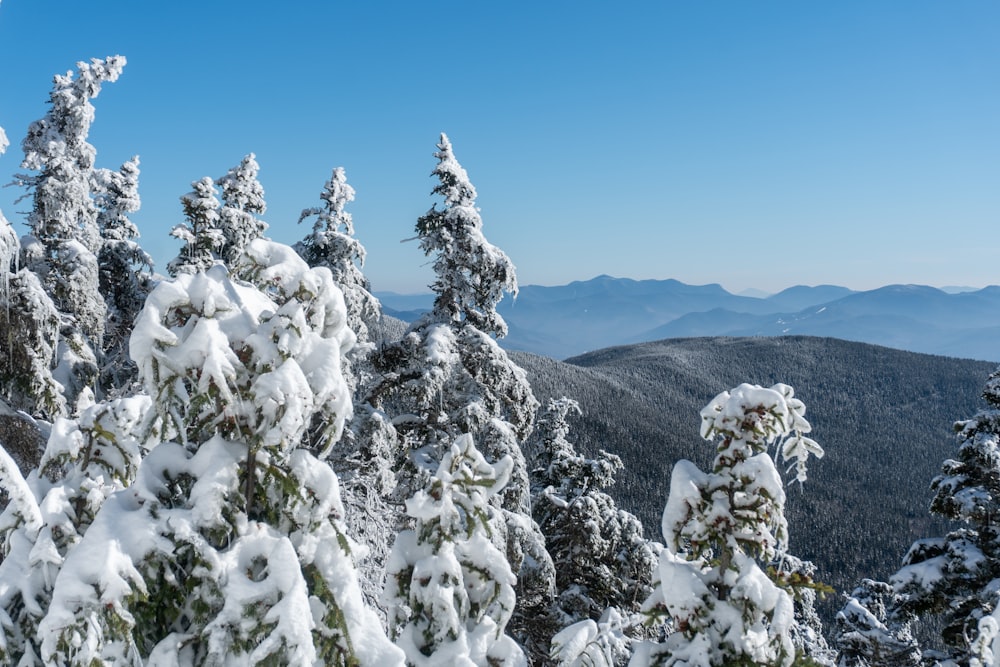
x,y
65,238
806,632
471,274
201,234
866,636
722,529
448,377
29,325
125,268
229,545
242,201
86,460
365,456
363,460
332,244
953,576
450,591
601,558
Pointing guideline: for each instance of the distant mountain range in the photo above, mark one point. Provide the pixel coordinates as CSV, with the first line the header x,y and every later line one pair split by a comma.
x,y
568,320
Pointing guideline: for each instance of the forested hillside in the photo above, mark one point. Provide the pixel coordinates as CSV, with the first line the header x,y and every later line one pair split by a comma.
x,y
883,416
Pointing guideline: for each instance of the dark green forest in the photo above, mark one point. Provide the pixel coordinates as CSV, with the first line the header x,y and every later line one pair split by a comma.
x,y
885,418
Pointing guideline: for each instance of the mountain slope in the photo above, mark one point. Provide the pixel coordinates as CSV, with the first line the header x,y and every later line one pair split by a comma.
x,y
884,417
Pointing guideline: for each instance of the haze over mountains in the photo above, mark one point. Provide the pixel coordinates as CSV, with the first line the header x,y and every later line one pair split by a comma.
x,y
606,311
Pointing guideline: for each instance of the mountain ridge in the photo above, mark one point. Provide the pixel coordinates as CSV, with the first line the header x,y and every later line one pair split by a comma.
x,y
568,320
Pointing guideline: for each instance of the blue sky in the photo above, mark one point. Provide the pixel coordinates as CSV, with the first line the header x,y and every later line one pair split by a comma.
x,y
756,144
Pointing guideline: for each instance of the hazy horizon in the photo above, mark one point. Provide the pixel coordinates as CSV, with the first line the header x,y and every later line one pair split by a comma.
x,y
747,291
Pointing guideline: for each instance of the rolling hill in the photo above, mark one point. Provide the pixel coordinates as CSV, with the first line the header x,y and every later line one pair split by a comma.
x,y
884,417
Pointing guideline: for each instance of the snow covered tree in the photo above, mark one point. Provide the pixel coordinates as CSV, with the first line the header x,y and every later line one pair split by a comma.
x,y
29,326
85,461
242,201
364,458
601,558
332,244
449,589
722,529
228,547
201,234
807,631
125,268
957,577
472,274
65,237
448,377
867,637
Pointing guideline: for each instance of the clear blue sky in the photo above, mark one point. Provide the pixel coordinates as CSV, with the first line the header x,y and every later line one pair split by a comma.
x,y
755,144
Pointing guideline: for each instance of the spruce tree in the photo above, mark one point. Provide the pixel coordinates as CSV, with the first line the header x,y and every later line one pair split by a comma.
x,y
364,458
229,546
201,235
448,377
332,244
472,275
125,268
65,238
29,326
450,590
242,198
866,635
953,577
601,558
714,593
86,460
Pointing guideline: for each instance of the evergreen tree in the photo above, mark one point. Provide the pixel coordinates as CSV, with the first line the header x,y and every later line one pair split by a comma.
x,y
363,460
365,456
867,637
954,577
201,234
450,591
807,631
242,201
471,274
29,324
86,460
601,558
228,547
125,268
65,238
448,377
722,529
332,244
